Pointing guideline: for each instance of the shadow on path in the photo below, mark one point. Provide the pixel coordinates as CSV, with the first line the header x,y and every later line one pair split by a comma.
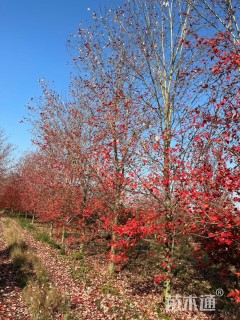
x,y
12,305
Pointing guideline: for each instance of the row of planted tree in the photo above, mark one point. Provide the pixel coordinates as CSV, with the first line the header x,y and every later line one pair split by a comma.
x,y
146,143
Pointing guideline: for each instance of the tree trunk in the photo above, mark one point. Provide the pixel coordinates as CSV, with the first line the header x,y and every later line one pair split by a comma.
x,y
51,230
168,197
63,242
111,267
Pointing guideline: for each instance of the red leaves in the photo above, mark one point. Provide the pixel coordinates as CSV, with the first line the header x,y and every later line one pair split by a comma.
x,y
235,295
211,235
198,138
216,70
226,234
215,218
160,278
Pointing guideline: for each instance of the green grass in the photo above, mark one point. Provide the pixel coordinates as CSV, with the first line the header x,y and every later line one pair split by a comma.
x,y
26,224
45,237
109,288
77,255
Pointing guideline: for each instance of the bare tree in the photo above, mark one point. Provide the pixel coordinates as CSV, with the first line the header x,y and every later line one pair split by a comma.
x,y
5,152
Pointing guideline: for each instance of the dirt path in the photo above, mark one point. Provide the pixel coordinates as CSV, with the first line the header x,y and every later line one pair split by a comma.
x,y
12,305
87,302
81,298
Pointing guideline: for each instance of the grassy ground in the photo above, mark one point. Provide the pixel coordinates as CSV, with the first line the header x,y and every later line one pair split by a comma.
x,y
43,299
129,294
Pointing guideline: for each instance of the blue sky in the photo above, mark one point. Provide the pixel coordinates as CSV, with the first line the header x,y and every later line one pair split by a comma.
x,y
33,36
